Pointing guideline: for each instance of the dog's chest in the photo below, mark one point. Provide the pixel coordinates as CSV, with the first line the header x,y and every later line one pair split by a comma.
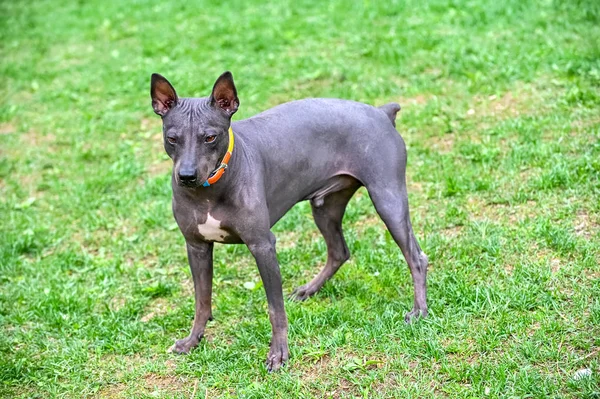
x,y
211,230
202,222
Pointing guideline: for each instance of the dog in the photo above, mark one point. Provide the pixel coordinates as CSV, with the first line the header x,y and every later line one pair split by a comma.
x,y
233,181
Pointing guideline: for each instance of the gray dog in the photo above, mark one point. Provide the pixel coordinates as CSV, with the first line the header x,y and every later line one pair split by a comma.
x,y
232,182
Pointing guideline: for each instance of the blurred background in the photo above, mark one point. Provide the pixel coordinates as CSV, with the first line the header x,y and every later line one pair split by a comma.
x,y
501,105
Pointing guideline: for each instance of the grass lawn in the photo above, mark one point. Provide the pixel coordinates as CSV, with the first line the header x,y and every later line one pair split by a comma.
x,y
501,115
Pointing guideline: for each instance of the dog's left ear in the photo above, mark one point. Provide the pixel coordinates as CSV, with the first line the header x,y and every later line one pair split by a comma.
x,y
224,94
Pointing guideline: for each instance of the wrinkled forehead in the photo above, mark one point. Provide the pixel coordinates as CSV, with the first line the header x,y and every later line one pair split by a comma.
x,y
194,114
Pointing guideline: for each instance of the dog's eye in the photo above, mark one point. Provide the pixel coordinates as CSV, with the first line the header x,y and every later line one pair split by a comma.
x,y
171,140
210,139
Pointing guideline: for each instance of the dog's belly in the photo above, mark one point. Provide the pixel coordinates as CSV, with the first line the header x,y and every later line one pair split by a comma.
x,y
280,204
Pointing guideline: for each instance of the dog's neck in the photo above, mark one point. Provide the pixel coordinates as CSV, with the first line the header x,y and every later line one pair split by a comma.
x,y
221,168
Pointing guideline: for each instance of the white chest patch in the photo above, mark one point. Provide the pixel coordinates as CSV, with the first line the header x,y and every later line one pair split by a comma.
x,y
211,229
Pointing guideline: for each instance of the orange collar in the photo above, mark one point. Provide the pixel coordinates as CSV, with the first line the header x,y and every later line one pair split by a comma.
x,y
217,173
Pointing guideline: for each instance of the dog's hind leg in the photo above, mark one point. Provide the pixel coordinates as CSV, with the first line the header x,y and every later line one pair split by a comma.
x,y
328,214
391,203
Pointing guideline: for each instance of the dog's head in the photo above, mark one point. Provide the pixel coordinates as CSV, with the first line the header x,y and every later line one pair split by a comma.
x,y
195,130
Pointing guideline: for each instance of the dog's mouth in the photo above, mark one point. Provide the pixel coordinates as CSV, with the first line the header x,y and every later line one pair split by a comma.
x,y
189,184
197,181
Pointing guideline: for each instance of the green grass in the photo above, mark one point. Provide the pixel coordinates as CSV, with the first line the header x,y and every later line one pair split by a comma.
x,y
501,115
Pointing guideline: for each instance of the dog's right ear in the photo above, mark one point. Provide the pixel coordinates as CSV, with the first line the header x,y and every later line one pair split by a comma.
x,y
224,94
163,94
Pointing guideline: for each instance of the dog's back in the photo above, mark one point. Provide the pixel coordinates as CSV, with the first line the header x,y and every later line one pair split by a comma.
x,y
332,135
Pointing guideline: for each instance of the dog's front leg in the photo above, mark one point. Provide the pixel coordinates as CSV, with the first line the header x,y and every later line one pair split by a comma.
x,y
200,257
263,250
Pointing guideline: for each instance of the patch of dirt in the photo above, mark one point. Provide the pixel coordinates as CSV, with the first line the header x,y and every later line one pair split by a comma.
x,y
419,99
112,391
584,124
433,71
34,138
68,56
187,287
7,128
593,274
585,225
121,367
506,104
344,387
218,393
452,232
129,361
480,210
171,365
415,187
157,307
152,138
555,265
509,268
150,124
522,99
286,240
166,383
533,329
314,368
442,144
302,88
368,221
159,168
390,383
289,239
153,385
117,303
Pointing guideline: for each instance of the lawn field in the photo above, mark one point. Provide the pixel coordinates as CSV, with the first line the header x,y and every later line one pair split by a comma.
x,y
501,116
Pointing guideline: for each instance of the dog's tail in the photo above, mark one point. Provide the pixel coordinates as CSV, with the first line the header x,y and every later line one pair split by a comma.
x,y
391,110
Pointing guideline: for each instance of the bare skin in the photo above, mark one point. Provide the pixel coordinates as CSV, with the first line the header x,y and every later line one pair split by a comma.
x,y
321,150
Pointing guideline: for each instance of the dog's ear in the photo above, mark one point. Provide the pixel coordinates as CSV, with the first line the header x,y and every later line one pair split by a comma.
x,y
224,95
163,94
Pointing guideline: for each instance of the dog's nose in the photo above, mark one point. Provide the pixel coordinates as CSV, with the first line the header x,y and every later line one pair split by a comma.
x,y
188,175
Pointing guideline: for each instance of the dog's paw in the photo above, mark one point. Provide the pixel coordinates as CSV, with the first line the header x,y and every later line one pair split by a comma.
x,y
414,315
278,356
302,293
184,346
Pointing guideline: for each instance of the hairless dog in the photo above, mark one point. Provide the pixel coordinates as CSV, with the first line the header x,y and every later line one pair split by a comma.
x,y
233,181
